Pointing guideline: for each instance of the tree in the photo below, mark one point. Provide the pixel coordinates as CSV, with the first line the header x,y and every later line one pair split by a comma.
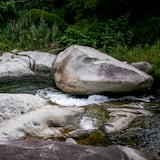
x,y
7,10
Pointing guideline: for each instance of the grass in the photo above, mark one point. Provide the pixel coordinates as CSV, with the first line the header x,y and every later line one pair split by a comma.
x,y
137,53
25,34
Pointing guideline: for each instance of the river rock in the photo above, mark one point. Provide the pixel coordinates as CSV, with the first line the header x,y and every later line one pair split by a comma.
x,y
84,70
143,66
14,68
41,60
50,150
35,122
120,118
12,105
26,64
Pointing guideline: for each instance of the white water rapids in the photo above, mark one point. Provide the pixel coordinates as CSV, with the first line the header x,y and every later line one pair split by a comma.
x,y
60,98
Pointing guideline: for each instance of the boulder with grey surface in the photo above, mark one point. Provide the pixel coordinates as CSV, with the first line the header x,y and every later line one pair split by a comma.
x,y
120,118
12,105
20,65
84,70
41,60
50,150
143,66
42,122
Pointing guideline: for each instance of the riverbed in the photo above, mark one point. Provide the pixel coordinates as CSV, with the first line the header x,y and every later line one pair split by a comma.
x,y
143,133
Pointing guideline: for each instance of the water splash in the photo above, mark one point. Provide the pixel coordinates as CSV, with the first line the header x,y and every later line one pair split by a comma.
x,y
55,96
143,98
60,98
88,123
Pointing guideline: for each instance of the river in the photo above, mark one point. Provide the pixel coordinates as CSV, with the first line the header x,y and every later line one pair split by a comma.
x,y
143,133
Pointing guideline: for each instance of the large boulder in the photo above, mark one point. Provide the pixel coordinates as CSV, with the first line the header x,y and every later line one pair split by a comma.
x,y
84,70
50,150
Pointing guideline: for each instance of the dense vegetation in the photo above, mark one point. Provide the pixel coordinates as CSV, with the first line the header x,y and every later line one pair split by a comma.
x,y
128,30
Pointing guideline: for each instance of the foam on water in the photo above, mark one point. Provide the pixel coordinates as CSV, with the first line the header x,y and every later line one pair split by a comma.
x,y
87,123
60,98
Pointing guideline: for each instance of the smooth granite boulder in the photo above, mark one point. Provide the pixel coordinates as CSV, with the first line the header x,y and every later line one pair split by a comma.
x,y
84,70
143,66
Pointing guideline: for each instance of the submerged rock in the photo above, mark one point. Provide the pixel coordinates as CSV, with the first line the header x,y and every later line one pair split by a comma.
x,y
50,150
84,70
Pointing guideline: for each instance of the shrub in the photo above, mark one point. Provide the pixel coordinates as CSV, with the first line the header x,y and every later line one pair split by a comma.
x,y
49,17
74,36
28,35
147,31
102,35
7,10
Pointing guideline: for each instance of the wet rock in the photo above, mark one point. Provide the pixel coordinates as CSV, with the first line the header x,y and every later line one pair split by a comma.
x,y
89,137
80,133
118,121
94,117
49,150
84,70
12,105
120,118
70,140
137,154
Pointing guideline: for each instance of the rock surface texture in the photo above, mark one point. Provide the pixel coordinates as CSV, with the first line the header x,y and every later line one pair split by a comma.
x,y
24,64
12,105
84,70
40,123
143,66
51,150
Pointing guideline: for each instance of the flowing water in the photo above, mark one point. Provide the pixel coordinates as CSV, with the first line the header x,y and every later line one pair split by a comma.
x,y
143,134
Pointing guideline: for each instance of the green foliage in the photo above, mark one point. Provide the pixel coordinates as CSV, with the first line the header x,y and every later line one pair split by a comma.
x,y
29,4
7,10
28,35
147,30
102,35
50,18
74,36
5,44
149,53
81,8
37,24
